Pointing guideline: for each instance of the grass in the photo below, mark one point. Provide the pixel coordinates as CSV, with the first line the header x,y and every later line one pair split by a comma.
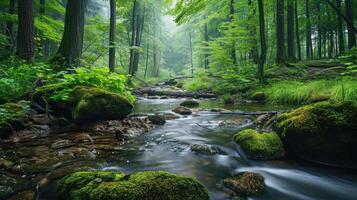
x,y
299,93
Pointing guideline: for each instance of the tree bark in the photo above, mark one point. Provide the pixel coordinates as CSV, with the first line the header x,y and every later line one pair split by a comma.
x,y
233,48
290,35
191,51
319,31
133,34
9,29
254,52
309,50
280,35
70,50
341,40
206,45
263,47
298,43
112,30
26,30
350,18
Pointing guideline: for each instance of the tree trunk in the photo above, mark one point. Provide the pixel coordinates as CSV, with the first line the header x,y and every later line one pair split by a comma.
x,y
9,29
133,34
70,50
280,35
147,61
112,30
290,35
319,31
350,18
309,50
233,47
191,51
298,43
254,54
206,45
138,35
341,40
26,34
263,47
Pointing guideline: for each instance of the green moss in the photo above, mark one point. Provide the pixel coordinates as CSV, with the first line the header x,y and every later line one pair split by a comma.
x,y
143,185
324,132
11,117
260,146
259,96
245,184
190,103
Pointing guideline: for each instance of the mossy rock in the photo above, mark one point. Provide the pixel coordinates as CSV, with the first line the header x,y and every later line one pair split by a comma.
x,y
245,184
260,146
84,104
190,103
12,117
154,185
94,104
324,132
259,96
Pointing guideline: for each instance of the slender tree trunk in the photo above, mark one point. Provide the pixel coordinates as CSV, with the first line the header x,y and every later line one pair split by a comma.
x,y
298,43
233,48
254,54
290,35
70,50
309,50
280,33
206,45
26,30
350,18
139,32
147,61
263,47
9,29
112,30
319,31
191,51
341,40
133,33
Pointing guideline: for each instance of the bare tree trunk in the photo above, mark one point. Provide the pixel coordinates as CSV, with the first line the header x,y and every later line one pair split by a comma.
x,y
309,50
112,46
206,44
298,43
191,51
290,35
26,30
263,47
280,36
233,48
350,18
133,29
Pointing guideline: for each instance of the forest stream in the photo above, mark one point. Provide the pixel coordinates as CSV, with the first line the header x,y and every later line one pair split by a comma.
x,y
167,148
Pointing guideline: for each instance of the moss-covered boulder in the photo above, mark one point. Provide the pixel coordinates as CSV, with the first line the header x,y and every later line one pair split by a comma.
x,y
138,186
245,184
190,103
324,132
84,104
12,117
259,96
260,146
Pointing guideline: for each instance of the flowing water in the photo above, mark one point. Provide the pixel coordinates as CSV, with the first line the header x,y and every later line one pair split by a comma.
x,y
168,148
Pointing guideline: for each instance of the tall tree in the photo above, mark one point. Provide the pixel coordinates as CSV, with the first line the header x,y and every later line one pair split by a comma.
x,y
191,52
290,32
70,49
298,43
26,34
350,18
309,50
9,24
206,45
341,40
231,18
319,31
263,47
112,35
280,36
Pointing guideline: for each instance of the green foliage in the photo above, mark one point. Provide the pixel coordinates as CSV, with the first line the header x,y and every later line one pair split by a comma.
x,y
297,93
350,61
17,80
13,111
94,77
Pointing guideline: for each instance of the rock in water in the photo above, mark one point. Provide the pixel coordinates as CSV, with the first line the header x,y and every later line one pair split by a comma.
x,y
157,119
205,149
182,110
259,96
12,117
190,103
245,184
155,185
324,132
260,146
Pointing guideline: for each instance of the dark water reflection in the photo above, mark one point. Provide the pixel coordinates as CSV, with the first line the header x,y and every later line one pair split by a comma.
x,y
168,148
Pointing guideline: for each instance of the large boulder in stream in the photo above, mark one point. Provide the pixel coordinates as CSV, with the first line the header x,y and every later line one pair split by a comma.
x,y
182,110
12,117
260,146
190,103
85,104
150,185
245,184
324,132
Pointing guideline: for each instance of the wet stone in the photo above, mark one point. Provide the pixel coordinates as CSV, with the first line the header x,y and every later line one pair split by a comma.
x,y
205,149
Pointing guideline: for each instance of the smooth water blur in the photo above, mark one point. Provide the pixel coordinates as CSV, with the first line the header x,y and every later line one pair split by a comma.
x,y
168,148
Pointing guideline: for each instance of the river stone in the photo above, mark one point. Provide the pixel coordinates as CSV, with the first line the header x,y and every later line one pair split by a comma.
x,y
182,110
205,149
25,195
323,132
6,164
157,119
13,117
245,184
149,185
190,103
5,191
260,146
